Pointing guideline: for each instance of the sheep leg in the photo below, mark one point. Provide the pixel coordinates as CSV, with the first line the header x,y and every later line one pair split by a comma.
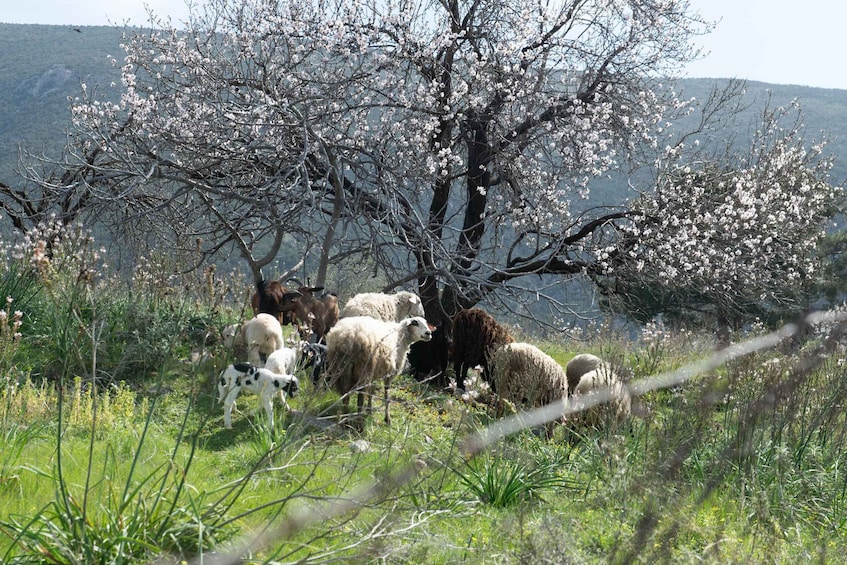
x,y
284,401
370,392
229,401
486,376
461,369
269,408
385,396
253,355
360,401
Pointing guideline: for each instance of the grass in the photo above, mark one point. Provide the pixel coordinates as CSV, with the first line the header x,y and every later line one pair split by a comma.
x,y
109,455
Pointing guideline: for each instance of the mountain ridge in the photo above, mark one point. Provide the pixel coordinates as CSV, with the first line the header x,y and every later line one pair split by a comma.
x,y
42,68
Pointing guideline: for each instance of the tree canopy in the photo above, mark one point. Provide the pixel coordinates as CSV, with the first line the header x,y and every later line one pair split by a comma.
x,y
451,144
730,238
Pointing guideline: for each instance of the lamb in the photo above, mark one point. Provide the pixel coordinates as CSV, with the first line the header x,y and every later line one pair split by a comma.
x,y
264,383
601,379
315,359
385,307
579,365
361,349
527,377
231,336
283,361
305,355
476,334
262,336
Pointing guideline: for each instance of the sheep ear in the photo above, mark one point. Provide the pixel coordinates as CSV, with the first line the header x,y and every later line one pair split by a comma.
x,y
414,299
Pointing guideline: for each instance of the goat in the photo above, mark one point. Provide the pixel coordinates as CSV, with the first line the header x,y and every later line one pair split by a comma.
x,y
318,314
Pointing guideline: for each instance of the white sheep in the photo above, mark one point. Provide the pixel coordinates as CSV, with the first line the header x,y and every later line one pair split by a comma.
x,y
245,376
283,361
231,336
287,360
527,377
601,379
361,349
385,307
262,336
579,365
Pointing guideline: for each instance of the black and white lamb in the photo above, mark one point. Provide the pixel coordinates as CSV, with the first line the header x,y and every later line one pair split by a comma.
x,y
258,380
362,350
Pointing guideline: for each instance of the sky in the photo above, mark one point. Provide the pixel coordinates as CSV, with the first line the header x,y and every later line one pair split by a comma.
x,y
775,41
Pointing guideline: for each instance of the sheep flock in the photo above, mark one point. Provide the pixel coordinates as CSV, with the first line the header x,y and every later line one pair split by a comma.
x,y
377,336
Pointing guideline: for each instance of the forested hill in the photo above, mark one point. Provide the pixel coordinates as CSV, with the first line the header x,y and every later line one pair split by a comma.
x,y
42,66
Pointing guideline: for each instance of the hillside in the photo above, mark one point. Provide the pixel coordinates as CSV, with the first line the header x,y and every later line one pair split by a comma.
x,y
42,66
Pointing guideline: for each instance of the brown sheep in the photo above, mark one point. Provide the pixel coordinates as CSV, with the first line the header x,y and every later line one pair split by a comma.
x,y
475,337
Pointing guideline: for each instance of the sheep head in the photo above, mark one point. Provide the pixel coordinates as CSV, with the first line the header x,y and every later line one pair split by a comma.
x,y
418,329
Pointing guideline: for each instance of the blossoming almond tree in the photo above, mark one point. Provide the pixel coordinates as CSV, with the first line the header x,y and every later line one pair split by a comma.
x,y
449,140
444,142
729,237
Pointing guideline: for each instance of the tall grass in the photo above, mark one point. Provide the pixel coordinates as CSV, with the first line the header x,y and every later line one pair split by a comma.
x,y
113,449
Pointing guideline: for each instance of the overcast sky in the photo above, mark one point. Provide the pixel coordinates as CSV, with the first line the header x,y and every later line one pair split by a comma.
x,y
776,41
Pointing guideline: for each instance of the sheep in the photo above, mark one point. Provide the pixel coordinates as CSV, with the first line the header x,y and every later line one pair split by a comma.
x,y
579,365
385,307
264,383
475,336
283,361
361,349
319,314
601,379
231,336
527,377
262,336
428,360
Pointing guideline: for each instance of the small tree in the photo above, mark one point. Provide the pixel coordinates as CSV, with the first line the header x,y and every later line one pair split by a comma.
x,y
729,238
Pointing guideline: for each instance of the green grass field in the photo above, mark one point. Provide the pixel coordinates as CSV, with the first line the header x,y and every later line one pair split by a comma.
x,y
740,463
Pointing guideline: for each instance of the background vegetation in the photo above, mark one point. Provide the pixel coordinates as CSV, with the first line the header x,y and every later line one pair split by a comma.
x,y
41,66
744,461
